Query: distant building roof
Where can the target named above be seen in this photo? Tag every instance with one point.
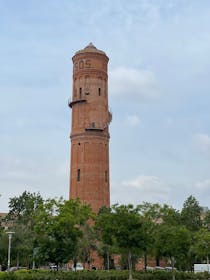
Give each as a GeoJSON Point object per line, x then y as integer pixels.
{"type": "Point", "coordinates": [3, 215]}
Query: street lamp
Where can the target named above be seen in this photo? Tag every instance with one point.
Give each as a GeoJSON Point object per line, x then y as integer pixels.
{"type": "Point", "coordinates": [10, 233]}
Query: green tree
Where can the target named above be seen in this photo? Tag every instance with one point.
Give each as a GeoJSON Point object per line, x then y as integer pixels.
{"type": "Point", "coordinates": [191, 214]}
{"type": "Point", "coordinates": [23, 208]}
{"type": "Point", "coordinates": [155, 214]}
{"type": "Point", "coordinates": [21, 217]}
{"type": "Point", "coordinates": [151, 215]}
{"type": "Point", "coordinates": [160, 214]}
{"type": "Point", "coordinates": [173, 242]}
{"type": "Point", "coordinates": [123, 226]}
{"type": "Point", "coordinates": [202, 244]}
{"type": "Point", "coordinates": [3, 248]}
{"type": "Point", "coordinates": [105, 242]}
{"type": "Point", "coordinates": [59, 225]}
{"type": "Point", "coordinates": [151, 211]}
{"type": "Point", "coordinates": [85, 245]}
{"type": "Point", "coordinates": [170, 216]}
{"type": "Point", "coordinates": [206, 220]}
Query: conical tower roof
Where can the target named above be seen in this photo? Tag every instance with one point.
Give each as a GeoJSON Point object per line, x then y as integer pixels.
{"type": "Point", "coordinates": [90, 48]}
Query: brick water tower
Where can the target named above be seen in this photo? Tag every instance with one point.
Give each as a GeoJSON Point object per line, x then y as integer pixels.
{"type": "Point", "coordinates": [89, 167]}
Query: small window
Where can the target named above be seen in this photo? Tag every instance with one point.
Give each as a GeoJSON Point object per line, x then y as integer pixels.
{"type": "Point", "coordinates": [80, 93]}
{"type": "Point", "coordinates": [93, 124]}
{"type": "Point", "coordinates": [106, 176]}
{"type": "Point", "coordinates": [99, 91]}
{"type": "Point", "coordinates": [78, 175]}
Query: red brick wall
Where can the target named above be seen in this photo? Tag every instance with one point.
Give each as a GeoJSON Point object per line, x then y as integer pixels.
{"type": "Point", "coordinates": [89, 132]}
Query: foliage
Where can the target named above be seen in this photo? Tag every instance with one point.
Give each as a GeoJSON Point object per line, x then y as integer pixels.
{"type": "Point", "coordinates": [3, 249]}
{"type": "Point", "coordinates": [122, 226]}
{"type": "Point", "coordinates": [99, 275]}
{"type": "Point", "coordinates": [59, 225]}
{"type": "Point", "coordinates": [191, 214]}
{"type": "Point", "coordinates": [206, 220]}
{"type": "Point", "coordinates": [170, 216]}
{"type": "Point", "coordinates": [86, 244]}
{"type": "Point", "coordinates": [202, 244]}
{"type": "Point", "coordinates": [56, 231]}
{"type": "Point", "coordinates": [21, 217]}
{"type": "Point", "coordinates": [173, 242]}
{"type": "Point", "coordinates": [155, 214]}
{"type": "Point", "coordinates": [105, 242]}
{"type": "Point", "coordinates": [23, 208]}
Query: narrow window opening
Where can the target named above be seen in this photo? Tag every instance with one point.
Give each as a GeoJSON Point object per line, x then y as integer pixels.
{"type": "Point", "coordinates": [99, 91]}
{"type": "Point", "coordinates": [93, 124]}
{"type": "Point", "coordinates": [80, 93]}
{"type": "Point", "coordinates": [78, 175]}
{"type": "Point", "coordinates": [106, 176]}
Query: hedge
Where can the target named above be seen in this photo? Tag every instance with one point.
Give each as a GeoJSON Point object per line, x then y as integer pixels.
{"type": "Point", "coordinates": [98, 275]}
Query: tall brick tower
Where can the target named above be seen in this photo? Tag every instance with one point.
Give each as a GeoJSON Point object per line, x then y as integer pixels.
{"type": "Point", "coordinates": [89, 169]}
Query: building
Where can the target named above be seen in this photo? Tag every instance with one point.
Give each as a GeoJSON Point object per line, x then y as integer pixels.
{"type": "Point", "coordinates": [89, 167]}
{"type": "Point", "coordinates": [4, 223]}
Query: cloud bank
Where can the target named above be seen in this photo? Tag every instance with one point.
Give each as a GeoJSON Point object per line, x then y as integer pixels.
{"type": "Point", "coordinates": [132, 83]}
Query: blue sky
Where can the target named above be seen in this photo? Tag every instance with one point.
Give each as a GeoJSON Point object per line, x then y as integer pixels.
{"type": "Point", "coordinates": [158, 92]}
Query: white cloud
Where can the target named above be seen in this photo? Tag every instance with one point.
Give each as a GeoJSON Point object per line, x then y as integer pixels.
{"type": "Point", "coordinates": [142, 188]}
{"type": "Point", "coordinates": [133, 120]}
{"type": "Point", "coordinates": [132, 83]}
{"type": "Point", "coordinates": [203, 185]}
{"type": "Point", "coordinates": [202, 141]}
{"type": "Point", "coordinates": [201, 190]}
{"type": "Point", "coordinates": [153, 189]}
{"type": "Point", "coordinates": [142, 182]}
{"type": "Point", "coordinates": [17, 175]}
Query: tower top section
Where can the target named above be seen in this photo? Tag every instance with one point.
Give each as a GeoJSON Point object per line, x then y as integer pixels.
{"type": "Point", "coordinates": [91, 49]}
{"type": "Point", "coordinates": [90, 61]}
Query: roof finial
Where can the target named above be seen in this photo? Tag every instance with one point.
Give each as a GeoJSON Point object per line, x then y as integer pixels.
{"type": "Point", "coordinates": [90, 46]}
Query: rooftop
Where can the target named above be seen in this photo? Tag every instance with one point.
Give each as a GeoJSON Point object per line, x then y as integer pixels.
{"type": "Point", "coordinates": [91, 49]}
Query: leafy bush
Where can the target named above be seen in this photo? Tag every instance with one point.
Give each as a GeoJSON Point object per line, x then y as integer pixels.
{"type": "Point", "coordinates": [98, 275]}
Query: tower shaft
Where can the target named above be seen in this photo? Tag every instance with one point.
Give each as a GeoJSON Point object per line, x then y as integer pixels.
{"type": "Point", "coordinates": [89, 167]}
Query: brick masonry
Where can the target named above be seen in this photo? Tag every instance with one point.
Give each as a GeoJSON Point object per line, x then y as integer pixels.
{"type": "Point", "coordinates": [89, 168]}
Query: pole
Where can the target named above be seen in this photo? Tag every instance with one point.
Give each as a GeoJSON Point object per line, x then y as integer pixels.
{"type": "Point", "coordinates": [10, 233]}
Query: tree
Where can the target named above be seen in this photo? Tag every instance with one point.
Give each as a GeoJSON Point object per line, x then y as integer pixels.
{"type": "Point", "coordinates": [151, 214]}
{"type": "Point", "coordinates": [170, 216]}
{"type": "Point", "coordinates": [105, 242]}
{"type": "Point", "coordinates": [21, 217]}
{"type": "Point", "coordinates": [160, 214]}
{"type": "Point", "coordinates": [86, 244]}
{"type": "Point", "coordinates": [172, 242]}
{"type": "Point", "coordinates": [23, 208]}
{"type": "Point", "coordinates": [122, 225]}
{"type": "Point", "coordinates": [202, 244]}
{"type": "Point", "coordinates": [59, 225]}
{"type": "Point", "coordinates": [206, 220]}
{"type": "Point", "coordinates": [3, 249]}
{"type": "Point", "coordinates": [155, 214]}
{"type": "Point", "coordinates": [191, 214]}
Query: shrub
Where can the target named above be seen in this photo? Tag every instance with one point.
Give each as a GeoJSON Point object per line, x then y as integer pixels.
{"type": "Point", "coordinates": [98, 275]}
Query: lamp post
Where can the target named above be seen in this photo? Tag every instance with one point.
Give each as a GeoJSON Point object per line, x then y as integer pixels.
{"type": "Point", "coordinates": [10, 233]}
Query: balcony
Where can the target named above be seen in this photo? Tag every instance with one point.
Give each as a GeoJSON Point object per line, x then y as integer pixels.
{"type": "Point", "coordinates": [72, 103]}
{"type": "Point", "coordinates": [92, 127]}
